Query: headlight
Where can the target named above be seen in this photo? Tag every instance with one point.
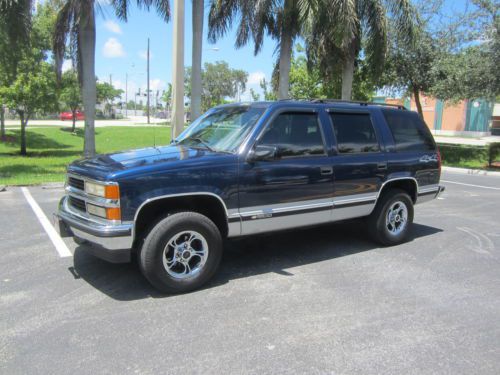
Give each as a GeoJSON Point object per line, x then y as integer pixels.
{"type": "Point", "coordinates": [104, 191]}
{"type": "Point", "coordinates": [110, 213]}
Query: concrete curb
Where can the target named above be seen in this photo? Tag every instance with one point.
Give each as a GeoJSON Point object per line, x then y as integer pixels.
{"type": "Point", "coordinates": [477, 172]}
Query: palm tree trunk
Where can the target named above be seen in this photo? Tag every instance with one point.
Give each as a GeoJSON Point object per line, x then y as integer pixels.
{"type": "Point", "coordinates": [2, 122]}
{"type": "Point", "coordinates": [23, 133]}
{"type": "Point", "coordinates": [196, 63]}
{"type": "Point", "coordinates": [348, 75]}
{"type": "Point", "coordinates": [285, 53]}
{"type": "Point", "coordinates": [87, 43]}
{"type": "Point", "coordinates": [416, 95]}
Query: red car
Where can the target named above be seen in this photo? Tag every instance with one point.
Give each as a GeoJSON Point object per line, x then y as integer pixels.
{"type": "Point", "coordinates": [80, 116]}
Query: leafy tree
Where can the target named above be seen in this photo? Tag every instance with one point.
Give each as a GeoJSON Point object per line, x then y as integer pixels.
{"type": "Point", "coordinates": [70, 95]}
{"type": "Point", "coordinates": [33, 90]}
{"type": "Point", "coordinates": [255, 96]}
{"type": "Point", "coordinates": [281, 19]}
{"type": "Point", "coordinates": [219, 82]}
{"type": "Point", "coordinates": [76, 22]}
{"type": "Point", "coordinates": [167, 95]}
{"type": "Point", "coordinates": [196, 76]}
{"type": "Point", "coordinates": [268, 92]}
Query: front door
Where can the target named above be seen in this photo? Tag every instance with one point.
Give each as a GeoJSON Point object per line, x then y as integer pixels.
{"type": "Point", "coordinates": [294, 188]}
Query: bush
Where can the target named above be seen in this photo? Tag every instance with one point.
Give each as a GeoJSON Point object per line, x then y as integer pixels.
{"type": "Point", "coordinates": [466, 156]}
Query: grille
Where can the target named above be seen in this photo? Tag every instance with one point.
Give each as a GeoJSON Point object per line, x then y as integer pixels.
{"type": "Point", "coordinates": [79, 204]}
{"type": "Point", "coordinates": [76, 183]}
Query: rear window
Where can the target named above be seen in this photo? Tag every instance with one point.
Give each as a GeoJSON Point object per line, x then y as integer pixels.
{"type": "Point", "coordinates": [409, 132]}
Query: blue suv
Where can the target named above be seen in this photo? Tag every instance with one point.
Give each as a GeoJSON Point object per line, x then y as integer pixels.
{"type": "Point", "coordinates": [243, 169]}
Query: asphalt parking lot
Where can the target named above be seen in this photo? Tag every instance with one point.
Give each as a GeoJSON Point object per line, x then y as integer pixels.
{"type": "Point", "coordinates": [315, 301]}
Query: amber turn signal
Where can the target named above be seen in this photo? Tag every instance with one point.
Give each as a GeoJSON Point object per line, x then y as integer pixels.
{"type": "Point", "coordinates": [112, 192]}
{"type": "Point", "coordinates": [113, 213]}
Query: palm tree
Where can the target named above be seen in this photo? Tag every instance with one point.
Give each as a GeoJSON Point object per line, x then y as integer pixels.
{"type": "Point", "coordinates": [76, 22]}
{"type": "Point", "coordinates": [281, 19]}
{"type": "Point", "coordinates": [339, 28]}
{"type": "Point", "coordinates": [196, 60]}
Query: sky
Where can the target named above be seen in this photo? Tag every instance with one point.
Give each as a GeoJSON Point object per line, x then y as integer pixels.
{"type": "Point", "coordinates": [121, 49]}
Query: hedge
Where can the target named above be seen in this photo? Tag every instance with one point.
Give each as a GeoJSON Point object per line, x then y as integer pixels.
{"type": "Point", "coordinates": [469, 156]}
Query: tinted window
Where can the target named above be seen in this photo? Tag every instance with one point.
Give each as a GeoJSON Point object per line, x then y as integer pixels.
{"type": "Point", "coordinates": [295, 134]}
{"type": "Point", "coordinates": [354, 133]}
{"type": "Point", "coordinates": [409, 131]}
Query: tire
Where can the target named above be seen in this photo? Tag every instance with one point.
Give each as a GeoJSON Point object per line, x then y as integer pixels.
{"type": "Point", "coordinates": [389, 233]}
{"type": "Point", "coordinates": [180, 242]}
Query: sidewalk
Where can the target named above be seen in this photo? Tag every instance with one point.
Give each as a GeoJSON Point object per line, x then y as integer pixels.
{"type": "Point", "coordinates": [483, 141]}
{"type": "Point", "coordinates": [130, 121]}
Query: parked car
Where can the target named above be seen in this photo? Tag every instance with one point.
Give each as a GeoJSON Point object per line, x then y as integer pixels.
{"type": "Point", "coordinates": [68, 116]}
{"type": "Point", "coordinates": [243, 169]}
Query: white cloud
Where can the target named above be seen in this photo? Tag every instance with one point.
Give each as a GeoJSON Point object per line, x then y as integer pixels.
{"type": "Point", "coordinates": [156, 84]}
{"type": "Point", "coordinates": [113, 27]}
{"type": "Point", "coordinates": [113, 48]}
{"type": "Point", "coordinates": [144, 55]}
{"type": "Point", "coordinates": [254, 78]}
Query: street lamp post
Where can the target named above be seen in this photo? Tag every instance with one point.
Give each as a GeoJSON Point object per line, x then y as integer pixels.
{"type": "Point", "coordinates": [178, 70]}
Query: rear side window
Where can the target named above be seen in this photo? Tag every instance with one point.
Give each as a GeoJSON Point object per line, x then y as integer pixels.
{"type": "Point", "coordinates": [354, 133]}
{"type": "Point", "coordinates": [409, 132]}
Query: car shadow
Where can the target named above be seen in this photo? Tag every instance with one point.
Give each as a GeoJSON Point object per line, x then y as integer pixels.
{"type": "Point", "coordinates": [245, 257]}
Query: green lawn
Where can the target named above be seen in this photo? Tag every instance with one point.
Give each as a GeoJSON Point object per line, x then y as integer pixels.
{"type": "Point", "coordinates": [50, 150]}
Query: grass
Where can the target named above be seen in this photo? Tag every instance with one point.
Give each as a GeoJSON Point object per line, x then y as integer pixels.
{"type": "Point", "coordinates": [51, 149]}
{"type": "Point", "coordinates": [465, 156]}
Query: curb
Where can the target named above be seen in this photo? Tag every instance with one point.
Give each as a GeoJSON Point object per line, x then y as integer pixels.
{"type": "Point", "coordinates": [477, 172]}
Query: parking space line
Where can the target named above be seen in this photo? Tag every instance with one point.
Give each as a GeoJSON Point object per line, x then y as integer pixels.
{"type": "Point", "coordinates": [478, 186]}
{"type": "Point", "coordinates": [56, 239]}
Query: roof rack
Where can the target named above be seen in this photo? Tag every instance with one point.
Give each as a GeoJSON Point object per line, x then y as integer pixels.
{"type": "Point", "coordinates": [398, 106]}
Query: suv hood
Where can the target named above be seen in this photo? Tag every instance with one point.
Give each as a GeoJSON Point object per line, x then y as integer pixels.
{"type": "Point", "coordinates": [102, 166]}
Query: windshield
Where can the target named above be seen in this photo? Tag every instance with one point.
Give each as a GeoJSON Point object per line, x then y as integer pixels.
{"type": "Point", "coordinates": [221, 129]}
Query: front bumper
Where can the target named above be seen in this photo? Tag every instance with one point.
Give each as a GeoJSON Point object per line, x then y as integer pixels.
{"type": "Point", "coordinates": [111, 242]}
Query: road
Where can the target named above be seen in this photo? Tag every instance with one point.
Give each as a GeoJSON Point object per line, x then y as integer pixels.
{"type": "Point", "coordinates": [317, 301]}
{"type": "Point", "coordinates": [130, 121]}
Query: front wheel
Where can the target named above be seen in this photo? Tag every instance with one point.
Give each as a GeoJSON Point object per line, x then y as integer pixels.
{"type": "Point", "coordinates": [181, 252]}
{"type": "Point", "coordinates": [390, 221]}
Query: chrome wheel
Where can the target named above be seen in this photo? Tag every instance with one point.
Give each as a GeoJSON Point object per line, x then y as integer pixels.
{"type": "Point", "coordinates": [397, 218]}
{"type": "Point", "coordinates": [185, 254]}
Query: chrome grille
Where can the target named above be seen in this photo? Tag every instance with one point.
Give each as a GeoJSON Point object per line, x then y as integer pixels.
{"type": "Point", "coordinates": [79, 204]}
{"type": "Point", "coordinates": [76, 183]}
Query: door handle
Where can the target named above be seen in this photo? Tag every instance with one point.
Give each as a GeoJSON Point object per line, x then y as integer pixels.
{"type": "Point", "coordinates": [382, 166]}
{"type": "Point", "coordinates": [326, 171]}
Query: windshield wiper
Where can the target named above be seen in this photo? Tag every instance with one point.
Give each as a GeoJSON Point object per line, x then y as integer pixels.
{"type": "Point", "coordinates": [202, 142]}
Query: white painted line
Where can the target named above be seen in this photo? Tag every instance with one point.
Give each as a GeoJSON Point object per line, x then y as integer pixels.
{"type": "Point", "coordinates": [56, 239]}
{"type": "Point", "coordinates": [464, 184]}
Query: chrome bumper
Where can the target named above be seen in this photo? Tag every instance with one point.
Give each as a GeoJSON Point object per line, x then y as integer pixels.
{"type": "Point", "coordinates": [111, 242]}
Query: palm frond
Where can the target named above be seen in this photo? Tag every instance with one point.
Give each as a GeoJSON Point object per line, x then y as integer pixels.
{"type": "Point", "coordinates": [374, 33]}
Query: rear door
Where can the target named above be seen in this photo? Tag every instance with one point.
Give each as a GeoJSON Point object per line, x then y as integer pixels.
{"type": "Point", "coordinates": [360, 164]}
{"type": "Point", "coordinates": [294, 189]}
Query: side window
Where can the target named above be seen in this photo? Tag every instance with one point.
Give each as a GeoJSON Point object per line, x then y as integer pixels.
{"type": "Point", "coordinates": [409, 131]}
{"type": "Point", "coordinates": [354, 133]}
{"type": "Point", "coordinates": [295, 134]}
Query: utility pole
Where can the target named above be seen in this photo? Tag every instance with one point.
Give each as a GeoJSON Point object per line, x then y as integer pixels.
{"type": "Point", "coordinates": [178, 70]}
{"type": "Point", "coordinates": [148, 84]}
{"type": "Point", "coordinates": [126, 95]}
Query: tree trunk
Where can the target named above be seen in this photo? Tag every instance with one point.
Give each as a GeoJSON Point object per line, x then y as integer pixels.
{"type": "Point", "coordinates": [348, 74]}
{"type": "Point", "coordinates": [87, 54]}
{"type": "Point", "coordinates": [74, 120]}
{"type": "Point", "coordinates": [2, 122]}
{"type": "Point", "coordinates": [285, 54]}
{"type": "Point", "coordinates": [178, 70]}
{"type": "Point", "coordinates": [416, 94]}
{"type": "Point", "coordinates": [23, 133]}
{"type": "Point", "coordinates": [196, 80]}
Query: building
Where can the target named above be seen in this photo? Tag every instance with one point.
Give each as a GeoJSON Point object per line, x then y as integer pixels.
{"type": "Point", "coordinates": [466, 118]}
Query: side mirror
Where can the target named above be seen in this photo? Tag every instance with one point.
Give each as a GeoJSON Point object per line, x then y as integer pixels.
{"type": "Point", "coordinates": [263, 153]}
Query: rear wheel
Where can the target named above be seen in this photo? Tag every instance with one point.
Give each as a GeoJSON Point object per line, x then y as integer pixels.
{"type": "Point", "coordinates": [181, 252]}
{"type": "Point", "coordinates": [390, 221]}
